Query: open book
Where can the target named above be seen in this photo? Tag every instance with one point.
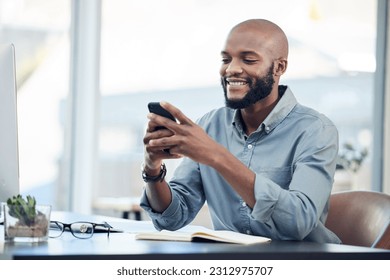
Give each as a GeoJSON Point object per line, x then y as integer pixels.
{"type": "Point", "coordinates": [202, 233]}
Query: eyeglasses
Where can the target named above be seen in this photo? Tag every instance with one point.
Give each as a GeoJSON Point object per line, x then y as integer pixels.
{"type": "Point", "coordinates": [82, 230]}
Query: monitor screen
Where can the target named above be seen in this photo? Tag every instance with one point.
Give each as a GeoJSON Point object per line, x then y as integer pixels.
{"type": "Point", "coordinates": [9, 158]}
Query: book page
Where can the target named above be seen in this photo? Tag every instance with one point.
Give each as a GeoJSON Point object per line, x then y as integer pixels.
{"type": "Point", "coordinates": [231, 237]}
{"type": "Point", "coordinates": [165, 235]}
{"type": "Point", "coordinates": [189, 233]}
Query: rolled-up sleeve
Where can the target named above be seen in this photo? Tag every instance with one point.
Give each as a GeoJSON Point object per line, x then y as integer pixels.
{"type": "Point", "coordinates": [187, 198]}
{"type": "Point", "coordinates": [294, 211]}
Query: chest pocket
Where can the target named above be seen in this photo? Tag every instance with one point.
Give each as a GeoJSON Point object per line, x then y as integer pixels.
{"type": "Point", "coordinates": [279, 175]}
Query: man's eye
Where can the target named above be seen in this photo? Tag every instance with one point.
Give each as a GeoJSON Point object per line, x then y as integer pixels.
{"type": "Point", "coordinates": [225, 60]}
{"type": "Point", "coordinates": [250, 61]}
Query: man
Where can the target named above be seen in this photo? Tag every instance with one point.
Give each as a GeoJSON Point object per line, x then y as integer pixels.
{"type": "Point", "coordinates": [264, 163]}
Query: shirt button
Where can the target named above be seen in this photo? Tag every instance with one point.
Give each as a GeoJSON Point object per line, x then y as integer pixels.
{"type": "Point", "coordinates": [248, 232]}
{"type": "Point", "coordinates": [250, 146]}
{"type": "Point", "coordinates": [244, 204]}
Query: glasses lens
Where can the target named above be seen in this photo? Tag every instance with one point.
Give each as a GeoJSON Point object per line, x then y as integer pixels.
{"type": "Point", "coordinates": [82, 230]}
{"type": "Point", "coordinates": [56, 229]}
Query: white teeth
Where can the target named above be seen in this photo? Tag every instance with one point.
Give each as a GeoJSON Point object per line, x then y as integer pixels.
{"type": "Point", "coordinates": [237, 83]}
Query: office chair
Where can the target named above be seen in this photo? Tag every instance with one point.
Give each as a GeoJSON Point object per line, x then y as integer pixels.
{"type": "Point", "coordinates": [360, 218]}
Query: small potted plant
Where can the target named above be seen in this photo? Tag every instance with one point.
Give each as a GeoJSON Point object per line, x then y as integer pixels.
{"type": "Point", "coordinates": [24, 220]}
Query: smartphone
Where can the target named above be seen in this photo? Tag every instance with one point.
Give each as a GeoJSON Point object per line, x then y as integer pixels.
{"type": "Point", "coordinates": [155, 107]}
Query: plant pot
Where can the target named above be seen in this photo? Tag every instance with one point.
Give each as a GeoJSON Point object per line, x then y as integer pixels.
{"type": "Point", "coordinates": [37, 230]}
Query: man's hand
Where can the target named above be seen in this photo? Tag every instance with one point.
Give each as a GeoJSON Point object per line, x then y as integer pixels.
{"type": "Point", "coordinates": [155, 154]}
{"type": "Point", "coordinates": [185, 138]}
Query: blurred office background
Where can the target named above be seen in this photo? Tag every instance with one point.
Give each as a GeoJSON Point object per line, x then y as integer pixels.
{"type": "Point", "coordinates": [86, 70]}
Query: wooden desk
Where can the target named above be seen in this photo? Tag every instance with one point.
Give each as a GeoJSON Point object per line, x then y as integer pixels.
{"type": "Point", "coordinates": [125, 246]}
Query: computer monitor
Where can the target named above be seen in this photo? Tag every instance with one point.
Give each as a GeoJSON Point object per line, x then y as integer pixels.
{"type": "Point", "coordinates": [9, 156]}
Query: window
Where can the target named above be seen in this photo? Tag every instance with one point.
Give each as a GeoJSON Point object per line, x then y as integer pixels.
{"type": "Point", "coordinates": [40, 32]}
{"type": "Point", "coordinates": [169, 50]}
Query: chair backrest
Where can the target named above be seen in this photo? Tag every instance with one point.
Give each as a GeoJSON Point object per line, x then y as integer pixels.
{"type": "Point", "coordinates": [360, 218]}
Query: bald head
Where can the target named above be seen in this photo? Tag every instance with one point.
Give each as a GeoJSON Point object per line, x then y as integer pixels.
{"type": "Point", "coordinates": [271, 35]}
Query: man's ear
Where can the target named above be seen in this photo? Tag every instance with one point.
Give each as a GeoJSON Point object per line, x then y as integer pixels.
{"type": "Point", "coordinates": [280, 66]}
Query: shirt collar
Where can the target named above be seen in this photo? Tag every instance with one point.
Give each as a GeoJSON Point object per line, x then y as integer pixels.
{"type": "Point", "coordinates": [286, 103]}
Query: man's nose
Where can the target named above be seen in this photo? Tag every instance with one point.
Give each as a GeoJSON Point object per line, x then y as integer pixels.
{"type": "Point", "coordinates": [233, 68]}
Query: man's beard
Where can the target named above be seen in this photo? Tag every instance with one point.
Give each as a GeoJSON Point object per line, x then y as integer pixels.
{"type": "Point", "coordinates": [260, 90]}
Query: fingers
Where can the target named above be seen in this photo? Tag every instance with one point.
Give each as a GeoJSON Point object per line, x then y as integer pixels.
{"type": "Point", "coordinates": [183, 119]}
{"type": "Point", "coordinates": [156, 153]}
{"type": "Point", "coordinates": [157, 130]}
{"type": "Point", "coordinates": [158, 138]}
{"type": "Point", "coordinates": [155, 143]}
{"type": "Point", "coordinates": [157, 122]}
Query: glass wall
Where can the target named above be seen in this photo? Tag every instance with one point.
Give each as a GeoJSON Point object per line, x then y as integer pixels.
{"type": "Point", "coordinates": [169, 50]}
{"type": "Point", "coordinates": [39, 30]}
{"type": "Point", "coordinates": [154, 50]}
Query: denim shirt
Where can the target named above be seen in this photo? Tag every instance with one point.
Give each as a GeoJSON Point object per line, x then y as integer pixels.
{"type": "Point", "coordinates": [293, 154]}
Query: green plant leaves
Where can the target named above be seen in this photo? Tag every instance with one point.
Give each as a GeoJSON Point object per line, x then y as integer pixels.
{"type": "Point", "coordinates": [23, 209]}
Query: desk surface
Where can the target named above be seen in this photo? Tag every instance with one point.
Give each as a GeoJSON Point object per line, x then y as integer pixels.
{"type": "Point", "coordinates": [125, 246]}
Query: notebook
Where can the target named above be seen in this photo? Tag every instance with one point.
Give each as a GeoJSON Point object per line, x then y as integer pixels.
{"type": "Point", "coordinates": [198, 233]}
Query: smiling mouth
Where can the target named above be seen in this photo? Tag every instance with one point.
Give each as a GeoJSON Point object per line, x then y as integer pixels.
{"type": "Point", "coordinates": [235, 82]}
